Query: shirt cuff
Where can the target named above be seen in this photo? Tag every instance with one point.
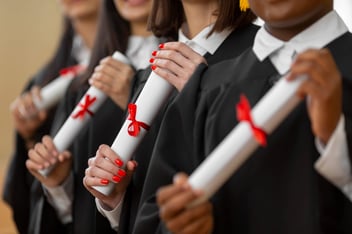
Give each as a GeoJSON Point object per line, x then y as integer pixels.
{"type": "Point", "coordinates": [112, 215]}
{"type": "Point", "coordinates": [60, 198]}
{"type": "Point", "coordinates": [334, 163]}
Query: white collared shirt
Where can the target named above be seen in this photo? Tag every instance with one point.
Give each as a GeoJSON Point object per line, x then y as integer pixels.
{"type": "Point", "coordinates": [334, 163]}
{"type": "Point", "coordinates": [140, 49]}
{"type": "Point", "coordinates": [202, 45]}
{"type": "Point", "coordinates": [80, 51]}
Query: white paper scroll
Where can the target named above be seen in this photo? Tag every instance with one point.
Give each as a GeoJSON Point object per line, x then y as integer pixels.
{"type": "Point", "coordinates": [55, 90]}
{"type": "Point", "coordinates": [80, 116]}
{"type": "Point", "coordinates": [240, 143]}
{"type": "Point", "coordinates": [152, 98]}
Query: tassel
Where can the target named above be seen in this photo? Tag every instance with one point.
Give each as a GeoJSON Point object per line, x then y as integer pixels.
{"type": "Point", "coordinates": [244, 5]}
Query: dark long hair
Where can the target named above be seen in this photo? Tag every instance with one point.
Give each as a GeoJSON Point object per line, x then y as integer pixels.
{"type": "Point", "coordinates": [61, 57]}
{"type": "Point", "coordinates": [167, 17]}
{"type": "Point", "coordinates": [113, 33]}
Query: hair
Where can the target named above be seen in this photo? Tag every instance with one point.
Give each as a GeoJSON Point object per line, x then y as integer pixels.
{"type": "Point", "coordinates": [61, 56]}
{"type": "Point", "coordinates": [167, 16]}
{"type": "Point", "coordinates": [112, 35]}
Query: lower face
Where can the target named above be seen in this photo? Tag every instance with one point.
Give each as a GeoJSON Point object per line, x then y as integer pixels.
{"type": "Point", "coordinates": [134, 10]}
{"type": "Point", "coordinates": [80, 9]}
{"type": "Point", "coordinates": [290, 14]}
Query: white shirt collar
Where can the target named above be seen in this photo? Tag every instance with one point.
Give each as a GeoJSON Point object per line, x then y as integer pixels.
{"type": "Point", "coordinates": [265, 45]}
{"type": "Point", "coordinates": [80, 51]}
{"type": "Point", "coordinates": [139, 50]}
{"type": "Point", "coordinates": [201, 43]}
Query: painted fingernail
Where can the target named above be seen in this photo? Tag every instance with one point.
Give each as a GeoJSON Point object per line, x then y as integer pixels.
{"type": "Point", "coordinates": [104, 181]}
{"type": "Point", "coordinates": [151, 60]}
{"type": "Point", "coordinates": [116, 178]}
{"type": "Point", "coordinates": [121, 173]}
{"type": "Point", "coordinates": [161, 45]}
{"type": "Point", "coordinates": [154, 53]}
{"type": "Point", "coordinates": [153, 67]}
{"type": "Point", "coordinates": [119, 162]}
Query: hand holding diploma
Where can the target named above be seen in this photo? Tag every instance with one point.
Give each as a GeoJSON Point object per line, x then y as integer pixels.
{"type": "Point", "coordinates": [314, 75]}
{"type": "Point", "coordinates": [141, 115]}
{"type": "Point", "coordinates": [80, 116]}
{"type": "Point", "coordinates": [55, 90]}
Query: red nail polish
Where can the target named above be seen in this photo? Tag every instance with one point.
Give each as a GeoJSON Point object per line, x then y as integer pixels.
{"type": "Point", "coordinates": [116, 178]}
{"type": "Point", "coordinates": [161, 45]}
{"type": "Point", "coordinates": [104, 181]}
{"type": "Point", "coordinates": [153, 67]}
{"type": "Point", "coordinates": [119, 162]}
{"type": "Point", "coordinates": [151, 60]}
{"type": "Point", "coordinates": [154, 53]}
{"type": "Point", "coordinates": [121, 173]}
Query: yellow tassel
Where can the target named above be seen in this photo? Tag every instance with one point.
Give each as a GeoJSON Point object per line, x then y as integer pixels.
{"type": "Point", "coordinates": [244, 5]}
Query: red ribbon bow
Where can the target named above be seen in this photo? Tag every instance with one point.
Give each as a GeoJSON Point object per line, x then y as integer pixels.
{"type": "Point", "coordinates": [244, 114]}
{"type": "Point", "coordinates": [74, 70]}
{"type": "Point", "coordinates": [88, 101]}
{"type": "Point", "coordinates": [135, 126]}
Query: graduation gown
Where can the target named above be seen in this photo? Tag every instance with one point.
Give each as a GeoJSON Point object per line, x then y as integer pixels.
{"type": "Point", "coordinates": [86, 218]}
{"type": "Point", "coordinates": [19, 182]}
{"type": "Point", "coordinates": [277, 190]}
{"type": "Point", "coordinates": [174, 133]}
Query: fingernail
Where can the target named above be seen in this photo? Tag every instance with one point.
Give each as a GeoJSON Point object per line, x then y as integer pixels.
{"type": "Point", "coordinates": [153, 67]}
{"type": "Point", "coordinates": [161, 45]}
{"type": "Point", "coordinates": [154, 53]}
{"type": "Point", "coordinates": [116, 178]}
{"type": "Point", "coordinates": [135, 163]}
{"type": "Point", "coordinates": [151, 60]}
{"type": "Point", "coordinates": [119, 162]}
{"type": "Point", "coordinates": [121, 173]}
{"type": "Point", "coordinates": [104, 181]}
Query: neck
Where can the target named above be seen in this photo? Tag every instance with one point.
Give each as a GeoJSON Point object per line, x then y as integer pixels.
{"type": "Point", "coordinates": [203, 12]}
{"type": "Point", "coordinates": [86, 28]}
{"type": "Point", "coordinates": [140, 29]}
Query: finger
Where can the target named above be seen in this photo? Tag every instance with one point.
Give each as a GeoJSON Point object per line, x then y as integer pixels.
{"type": "Point", "coordinates": [49, 144]}
{"type": "Point", "coordinates": [176, 204]}
{"type": "Point", "coordinates": [107, 152]}
{"type": "Point", "coordinates": [191, 217]}
{"type": "Point", "coordinates": [39, 155]}
{"type": "Point", "coordinates": [185, 50]}
{"type": "Point", "coordinates": [113, 63]}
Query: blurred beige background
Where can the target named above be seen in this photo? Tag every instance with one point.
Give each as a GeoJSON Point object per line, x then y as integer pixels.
{"type": "Point", "coordinates": [29, 32]}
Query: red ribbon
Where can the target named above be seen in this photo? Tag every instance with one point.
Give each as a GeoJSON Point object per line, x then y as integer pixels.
{"type": "Point", "coordinates": [74, 70]}
{"type": "Point", "coordinates": [135, 126]}
{"type": "Point", "coordinates": [85, 107]}
{"type": "Point", "coordinates": [244, 114]}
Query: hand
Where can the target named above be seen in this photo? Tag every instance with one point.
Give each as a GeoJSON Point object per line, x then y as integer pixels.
{"type": "Point", "coordinates": [105, 168]}
{"type": "Point", "coordinates": [179, 217]}
{"type": "Point", "coordinates": [26, 116]}
{"type": "Point", "coordinates": [175, 62]}
{"type": "Point", "coordinates": [113, 78]}
{"type": "Point", "coordinates": [44, 155]}
{"type": "Point", "coordinates": [323, 89]}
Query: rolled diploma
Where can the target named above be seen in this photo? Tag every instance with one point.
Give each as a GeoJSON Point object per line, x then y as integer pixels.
{"type": "Point", "coordinates": [149, 102]}
{"type": "Point", "coordinates": [239, 144]}
{"type": "Point", "coordinates": [72, 126]}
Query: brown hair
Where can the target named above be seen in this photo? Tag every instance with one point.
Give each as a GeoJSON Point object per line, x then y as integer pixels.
{"type": "Point", "coordinates": [167, 17]}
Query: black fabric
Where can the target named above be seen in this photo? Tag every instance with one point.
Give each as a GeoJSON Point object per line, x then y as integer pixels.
{"type": "Point", "coordinates": [18, 180]}
{"type": "Point", "coordinates": [277, 190]}
{"type": "Point", "coordinates": [174, 129]}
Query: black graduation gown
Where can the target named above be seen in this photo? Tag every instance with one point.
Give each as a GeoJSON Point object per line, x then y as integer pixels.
{"type": "Point", "coordinates": [277, 190]}
{"type": "Point", "coordinates": [173, 130]}
{"type": "Point", "coordinates": [19, 182]}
